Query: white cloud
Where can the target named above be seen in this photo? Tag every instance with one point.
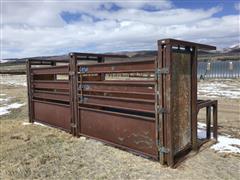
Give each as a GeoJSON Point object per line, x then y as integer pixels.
{"type": "Point", "coordinates": [237, 6]}
{"type": "Point", "coordinates": [32, 29]}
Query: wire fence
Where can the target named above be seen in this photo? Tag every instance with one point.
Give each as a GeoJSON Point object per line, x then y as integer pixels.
{"type": "Point", "coordinates": [218, 69]}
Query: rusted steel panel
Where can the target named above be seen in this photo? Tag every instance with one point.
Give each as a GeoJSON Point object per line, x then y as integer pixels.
{"type": "Point", "coordinates": [59, 97]}
{"type": "Point", "coordinates": [118, 67]}
{"type": "Point", "coordinates": [123, 82]}
{"type": "Point", "coordinates": [95, 55]}
{"type": "Point", "coordinates": [50, 70]}
{"type": "Point", "coordinates": [132, 133]}
{"type": "Point", "coordinates": [51, 85]}
{"type": "Point", "coordinates": [181, 100]}
{"type": "Point", "coordinates": [175, 42]}
{"type": "Point", "coordinates": [137, 95]}
{"type": "Point", "coordinates": [119, 86]}
{"type": "Point", "coordinates": [52, 114]}
{"type": "Point", "coordinates": [121, 103]}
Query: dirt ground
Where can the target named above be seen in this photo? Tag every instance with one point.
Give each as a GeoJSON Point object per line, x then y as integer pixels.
{"type": "Point", "coordinates": [38, 152]}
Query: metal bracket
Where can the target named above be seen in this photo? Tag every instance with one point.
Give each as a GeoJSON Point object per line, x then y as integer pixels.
{"type": "Point", "coordinates": [83, 69]}
{"type": "Point", "coordinates": [163, 150]}
{"type": "Point", "coordinates": [162, 71]}
{"type": "Point", "coordinates": [161, 110]}
{"type": "Point", "coordinates": [71, 73]}
{"type": "Point", "coordinates": [83, 99]}
{"type": "Point", "coordinates": [83, 86]}
{"type": "Point", "coordinates": [73, 125]}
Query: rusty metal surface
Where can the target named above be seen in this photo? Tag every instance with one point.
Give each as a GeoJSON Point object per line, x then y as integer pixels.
{"type": "Point", "coordinates": [127, 103]}
{"type": "Point", "coordinates": [42, 84]}
{"type": "Point", "coordinates": [120, 94]}
{"type": "Point", "coordinates": [51, 96]}
{"type": "Point", "coordinates": [53, 114]}
{"type": "Point", "coordinates": [119, 67]}
{"type": "Point", "coordinates": [140, 87]}
{"type": "Point", "coordinates": [128, 132]}
{"type": "Point", "coordinates": [181, 100]}
{"type": "Point", "coordinates": [50, 70]}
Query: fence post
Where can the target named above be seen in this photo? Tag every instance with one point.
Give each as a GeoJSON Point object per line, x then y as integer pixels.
{"type": "Point", "coordinates": [159, 103]}
{"type": "Point", "coordinates": [167, 104]}
{"type": "Point", "coordinates": [73, 77]}
{"type": "Point", "coordinates": [29, 79]}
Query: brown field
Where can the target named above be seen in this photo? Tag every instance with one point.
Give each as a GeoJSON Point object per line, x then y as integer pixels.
{"type": "Point", "coordinates": [38, 152]}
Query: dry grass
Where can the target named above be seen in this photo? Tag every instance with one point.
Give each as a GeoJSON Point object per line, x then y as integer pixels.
{"type": "Point", "coordinates": [37, 152]}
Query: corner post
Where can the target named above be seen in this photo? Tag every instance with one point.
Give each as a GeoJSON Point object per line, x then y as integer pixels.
{"type": "Point", "coordinates": [73, 91]}
{"type": "Point", "coordinates": [29, 88]}
{"type": "Point", "coordinates": [168, 105]}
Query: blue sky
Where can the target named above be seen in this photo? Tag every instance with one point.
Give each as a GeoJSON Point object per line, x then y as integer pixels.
{"type": "Point", "coordinates": [36, 28]}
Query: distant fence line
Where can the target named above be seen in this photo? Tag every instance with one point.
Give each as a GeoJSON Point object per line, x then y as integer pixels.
{"type": "Point", "coordinates": [218, 69]}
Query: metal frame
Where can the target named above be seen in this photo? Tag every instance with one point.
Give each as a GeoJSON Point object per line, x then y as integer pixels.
{"type": "Point", "coordinates": [135, 115]}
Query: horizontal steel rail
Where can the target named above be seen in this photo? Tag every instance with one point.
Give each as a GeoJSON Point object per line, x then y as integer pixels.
{"type": "Point", "coordinates": [118, 113]}
{"type": "Point", "coordinates": [50, 70]}
{"type": "Point", "coordinates": [43, 84]}
{"type": "Point", "coordinates": [121, 94]}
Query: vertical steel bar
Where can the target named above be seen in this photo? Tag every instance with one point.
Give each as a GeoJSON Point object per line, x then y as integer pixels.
{"type": "Point", "coordinates": [215, 120]}
{"type": "Point", "coordinates": [160, 102]}
{"type": "Point", "coordinates": [194, 98]}
{"type": "Point", "coordinates": [208, 123]}
{"type": "Point", "coordinates": [29, 86]}
{"type": "Point", "coordinates": [75, 122]}
{"type": "Point", "coordinates": [102, 75]}
{"type": "Point", "coordinates": [167, 105]}
{"type": "Point", "coordinates": [157, 106]}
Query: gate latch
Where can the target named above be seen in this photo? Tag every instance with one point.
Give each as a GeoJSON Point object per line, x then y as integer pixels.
{"type": "Point", "coordinates": [162, 71]}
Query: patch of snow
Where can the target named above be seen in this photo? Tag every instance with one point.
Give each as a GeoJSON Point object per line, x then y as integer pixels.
{"type": "Point", "coordinates": [4, 99]}
{"type": "Point", "coordinates": [6, 109]}
{"type": "Point", "coordinates": [40, 124]}
{"type": "Point", "coordinates": [26, 123]}
{"type": "Point", "coordinates": [225, 144]}
{"type": "Point", "coordinates": [2, 94]}
{"type": "Point", "coordinates": [14, 80]}
{"type": "Point", "coordinates": [35, 123]}
{"type": "Point", "coordinates": [3, 61]}
{"type": "Point", "coordinates": [219, 88]}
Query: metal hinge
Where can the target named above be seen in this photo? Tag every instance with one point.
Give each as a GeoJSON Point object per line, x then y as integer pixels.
{"type": "Point", "coordinates": [83, 69]}
{"type": "Point", "coordinates": [161, 110]}
{"type": "Point", "coordinates": [163, 150]}
{"type": "Point", "coordinates": [162, 71]}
